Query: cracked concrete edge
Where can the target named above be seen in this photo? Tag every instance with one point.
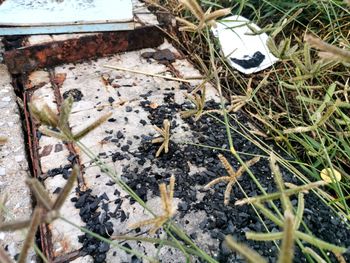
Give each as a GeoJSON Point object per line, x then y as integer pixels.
{"type": "Point", "coordinates": [13, 167]}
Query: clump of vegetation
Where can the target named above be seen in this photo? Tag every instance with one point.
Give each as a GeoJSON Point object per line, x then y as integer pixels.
{"type": "Point", "coordinates": [164, 139]}
{"type": "Point", "coordinates": [51, 120]}
{"type": "Point", "coordinates": [232, 177]}
{"type": "Point", "coordinates": [289, 223]}
{"type": "Point", "coordinates": [198, 99]}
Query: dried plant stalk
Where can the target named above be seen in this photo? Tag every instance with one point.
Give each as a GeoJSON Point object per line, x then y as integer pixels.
{"type": "Point", "coordinates": [328, 51]}
{"type": "Point", "coordinates": [286, 204]}
{"type": "Point", "coordinates": [66, 189]}
{"type": "Point", "coordinates": [249, 254]}
{"type": "Point", "coordinates": [275, 196]}
{"type": "Point", "coordinates": [40, 193]}
{"type": "Point", "coordinates": [28, 242]}
{"type": "Point", "coordinates": [194, 7]}
{"type": "Point", "coordinates": [233, 175]}
{"type": "Point", "coordinates": [286, 254]}
{"type": "Point", "coordinates": [4, 258]}
{"type": "Point", "coordinates": [65, 111]}
{"type": "Point", "coordinates": [13, 226]}
{"type": "Point", "coordinates": [92, 126]}
{"type": "Point", "coordinates": [315, 256]}
{"type": "Point", "coordinates": [164, 139]}
{"type": "Point", "coordinates": [168, 209]}
{"type": "Point", "coordinates": [227, 165]}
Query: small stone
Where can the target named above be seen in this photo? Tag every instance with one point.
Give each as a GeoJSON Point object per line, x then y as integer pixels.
{"type": "Point", "coordinates": [128, 109]}
{"type": "Point", "coordinates": [120, 135]}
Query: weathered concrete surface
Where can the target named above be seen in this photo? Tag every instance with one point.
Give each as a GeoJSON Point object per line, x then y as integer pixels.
{"type": "Point", "coordinates": [99, 90]}
{"type": "Point", "coordinates": [13, 166]}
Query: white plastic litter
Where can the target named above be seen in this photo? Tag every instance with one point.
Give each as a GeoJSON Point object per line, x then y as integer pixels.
{"type": "Point", "coordinates": [52, 12]}
{"type": "Point", "coordinates": [246, 53]}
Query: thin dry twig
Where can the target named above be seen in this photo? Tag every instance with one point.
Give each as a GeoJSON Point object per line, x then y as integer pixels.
{"type": "Point", "coordinates": [146, 73]}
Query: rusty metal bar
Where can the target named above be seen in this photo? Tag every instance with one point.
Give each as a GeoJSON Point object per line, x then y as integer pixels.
{"type": "Point", "coordinates": [27, 59]}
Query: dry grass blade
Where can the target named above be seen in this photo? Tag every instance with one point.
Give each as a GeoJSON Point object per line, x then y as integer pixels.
{"type": "Point", "coordinates": [286, 254]}
{"type": "Point", "coordinates": [286, 204]}
{"type": "Point", "coordinates": [339, 257]}
{"type": "Point", "coordinates": [249, 254]}
{"type": "Point", "coordinates": [168, 208]}
{"type": "Point", "coordinates": [328, 51]}
{"type": "Point", "coordinates": [92, 126]}
{"type": "Point", "coordinates": [315, 256]}
{"type": "Point", "coordinates": [13, 226]}
{"type": "Point", "coordinates": [4, 258]}
{"type": "Point", "coordinates": [65, 111]}
{"type": "Point", "coordinates": [44, 116]}
{"type": "Point", "coordinates": [54, 134]}
{"type": "Point", "coordinates": [216, 14]}
{"type": "Point", "coordinates": [28, 242]}
{"type": "Point", "coordinates": [40, 193]}
{"type": "Point", "coordinates": [274, 196]}
{"type": "Point", "coordinates": [66, 189]}
{"type": "Point", "coordinates": [194, 7]}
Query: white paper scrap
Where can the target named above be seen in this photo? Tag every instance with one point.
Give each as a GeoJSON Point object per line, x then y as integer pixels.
{"type": "Point", "coordinates": [244, 52]}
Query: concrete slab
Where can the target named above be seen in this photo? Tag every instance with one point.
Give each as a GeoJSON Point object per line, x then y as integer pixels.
{"type": "Point", "coordinates": [13, 166]}
{"type": "Point", "coordinates": [130, 97]}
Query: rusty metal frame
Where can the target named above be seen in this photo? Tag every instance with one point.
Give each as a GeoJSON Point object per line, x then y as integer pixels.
{"type": "Point", "coordinates": [26, 59]}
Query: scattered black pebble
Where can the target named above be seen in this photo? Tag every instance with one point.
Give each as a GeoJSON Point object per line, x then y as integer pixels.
{"type": "Point", "coordinates": [57, 190]}
{"type": "Point", "coordinates": [96, 222]}
{"type": "Point", "coordinates": [110, 100]}
{"type": "Point", "coordinates": [222, 220]}
{"type": "Point", "coordinates": [75, 93]}
{"type": "Point", "coordinates": [128, 109]}
{"type": "Point", "coordinates": [120, 135]}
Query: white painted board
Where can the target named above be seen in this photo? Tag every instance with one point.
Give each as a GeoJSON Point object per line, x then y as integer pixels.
{"type": "Point", "coordinates": [59, 12]}
{"type": "Point", "coordinates": [244, 52]}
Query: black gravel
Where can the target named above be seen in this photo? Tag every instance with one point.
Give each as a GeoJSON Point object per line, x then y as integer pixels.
{"type": "Point", "coordinates": [96, 220]}
{"type": "Point", "coordinates": [223, 220]}
{"type": "Point", "coordinates": [220, 220]}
